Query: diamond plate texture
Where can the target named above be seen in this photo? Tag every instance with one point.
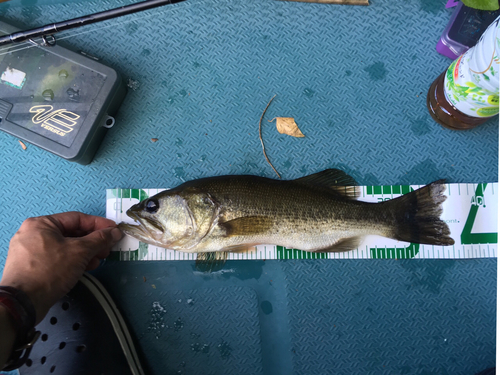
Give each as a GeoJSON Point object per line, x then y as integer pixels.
{"type": "Point", "coordinates": [311, 316]}
{"type": "Point", "coordinates": [209, 331]}
{"type": "Point", "coordinates": [355, 80]}
{"type": "Point", "coordinates": [418, 318]}
{"type": "Point", "coordinates": [233, 321]}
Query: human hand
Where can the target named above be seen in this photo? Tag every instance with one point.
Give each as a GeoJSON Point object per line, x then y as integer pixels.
{"type": "Point", "coordinates": [48, 255]}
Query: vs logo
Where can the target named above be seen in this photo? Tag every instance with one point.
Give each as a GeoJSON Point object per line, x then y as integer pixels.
{"type": "Point", "coordinates": [59, 121]}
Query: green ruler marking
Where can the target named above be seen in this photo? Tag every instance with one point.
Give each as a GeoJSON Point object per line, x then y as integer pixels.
{"type": "Point", "coordinates": [139, 194]}
{"type": "Point", "coordinates": [388, 190]}
{"type": "Point", "coordinates": [285, 253]}
{"type": "Point", "coordinates": [395, 253]}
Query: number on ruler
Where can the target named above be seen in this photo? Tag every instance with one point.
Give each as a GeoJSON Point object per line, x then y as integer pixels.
{"type": "Point", "coordinates": [469, 238]}
{"type": "Point", "coordinates": [477, 201]}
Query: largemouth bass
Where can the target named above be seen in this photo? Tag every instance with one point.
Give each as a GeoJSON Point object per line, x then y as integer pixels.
{"type": "Point", "coordinates": [318, 213]}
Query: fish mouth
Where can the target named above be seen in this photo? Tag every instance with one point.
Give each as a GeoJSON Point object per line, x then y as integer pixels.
{"type": "Point", "coordinates": [146, 230]}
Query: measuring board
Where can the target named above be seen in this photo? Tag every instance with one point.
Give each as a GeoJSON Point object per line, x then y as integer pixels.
{"type": "Point", "coordinates": [470, 211]}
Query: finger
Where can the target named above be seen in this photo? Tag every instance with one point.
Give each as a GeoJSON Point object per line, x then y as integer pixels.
{"type": "Point", "coordinates": [93, 264]}
{"type": "Point", "coordinates": [98, 243]}
{"type": "Point", "coordinates": [75, 223]}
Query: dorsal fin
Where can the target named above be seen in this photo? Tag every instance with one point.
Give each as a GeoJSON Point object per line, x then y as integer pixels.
{"type": "Point", "coordinates": [335, 180]}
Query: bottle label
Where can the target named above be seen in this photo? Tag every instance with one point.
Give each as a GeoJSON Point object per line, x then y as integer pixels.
{"type": "Point", "coordinates": [471, 82]}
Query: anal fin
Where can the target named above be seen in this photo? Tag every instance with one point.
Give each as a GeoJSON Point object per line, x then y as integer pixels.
{"type": "Point", "coordinates": [210, 261]}
{"type": "Point", "coordinates": [345, 244]}
{"type": "Point", "coordinates": [239, 248]}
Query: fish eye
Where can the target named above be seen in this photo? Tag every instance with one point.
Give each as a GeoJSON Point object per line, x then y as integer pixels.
{"type": "Point", "coordinates": [152, 205]}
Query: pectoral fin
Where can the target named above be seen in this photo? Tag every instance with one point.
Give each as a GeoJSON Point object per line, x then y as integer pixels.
{"type": "Point", "coordinates": [345, 244]}
{"type": "Point", "coordinates": [249, 225]}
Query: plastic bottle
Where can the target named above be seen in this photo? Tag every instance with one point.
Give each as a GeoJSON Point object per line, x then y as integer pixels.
{"type": "Point", "coordinates": [466, 94]}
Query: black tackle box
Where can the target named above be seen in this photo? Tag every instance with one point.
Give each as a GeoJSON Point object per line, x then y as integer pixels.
{"type": "Point", "coordinates": [55, 98]}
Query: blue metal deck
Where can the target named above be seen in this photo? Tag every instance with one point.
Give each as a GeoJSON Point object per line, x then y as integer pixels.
{"type": "Point", "coordinates": [355, 79]}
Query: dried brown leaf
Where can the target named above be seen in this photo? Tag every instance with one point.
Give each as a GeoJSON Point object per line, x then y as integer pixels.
{"type": "Point", "coordinates": [22, 145]}
{"type": "Point", "coordinates": [154, 140]}
{"type": "Point", "coordinates": [287, 125]}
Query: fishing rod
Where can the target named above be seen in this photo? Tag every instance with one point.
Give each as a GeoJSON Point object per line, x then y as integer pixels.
{"type": "Point", "coordinates": [50, 29]}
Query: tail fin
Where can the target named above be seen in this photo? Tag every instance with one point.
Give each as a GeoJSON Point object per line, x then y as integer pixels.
{"type": "Point", "coordinates": [418, 214]}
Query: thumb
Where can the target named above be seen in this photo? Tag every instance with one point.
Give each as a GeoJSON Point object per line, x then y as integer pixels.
{"type": "Point", "coordinates": [99, 243]}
